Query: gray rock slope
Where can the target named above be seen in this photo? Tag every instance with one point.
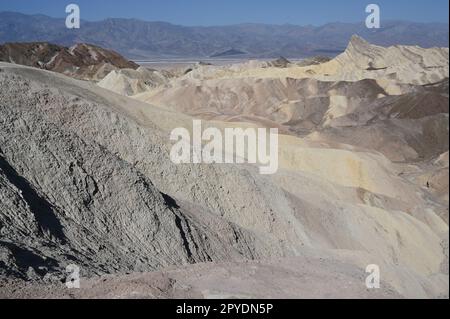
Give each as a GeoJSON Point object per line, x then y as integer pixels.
{"type": "Point", "coordinates": [67, 199]}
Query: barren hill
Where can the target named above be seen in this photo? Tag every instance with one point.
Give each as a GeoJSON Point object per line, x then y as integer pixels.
{"type": "Point", "coordinates": [82, 61]}
{"type": "Point", "coordinates": [395, 99]}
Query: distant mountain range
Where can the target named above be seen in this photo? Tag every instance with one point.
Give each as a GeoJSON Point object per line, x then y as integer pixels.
{"type": "Point", "coordinates": [138, 39]}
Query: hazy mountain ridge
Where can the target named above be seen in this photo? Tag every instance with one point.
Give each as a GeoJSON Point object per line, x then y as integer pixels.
{"type": "Point", "coordinates": [141, 39]}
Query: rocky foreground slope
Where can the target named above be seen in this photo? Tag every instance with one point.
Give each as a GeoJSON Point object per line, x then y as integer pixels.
{"type": "Point", "coordinates": [86, 179]}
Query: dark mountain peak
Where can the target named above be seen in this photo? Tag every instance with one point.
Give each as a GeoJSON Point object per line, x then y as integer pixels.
{"type": "Point", "coordinates": [230, 52]}
{"type": "Point", "coordinates": [281, 62]}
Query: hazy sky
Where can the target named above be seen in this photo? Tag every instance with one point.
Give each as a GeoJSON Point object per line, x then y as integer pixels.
{"type": "Point", "coordinates": [214, 12]}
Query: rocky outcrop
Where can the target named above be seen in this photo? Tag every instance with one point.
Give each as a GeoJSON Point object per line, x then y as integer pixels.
{"type": "Point", "coordinates": [81, 61]}
{"type": "Point", "coordinates": [281, 62]}
{"type": "Point", "coordinates": [361, 60]}
{"type": "Point", "coordinates": [130, 82]}
{"type": "Point", "coordinates": [406, 64]}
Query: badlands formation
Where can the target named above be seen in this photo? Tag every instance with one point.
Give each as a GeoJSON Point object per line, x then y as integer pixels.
{"type": "Point", "coordinates": [81, 61]}
{"type": "Point", "coordinates": [86, 179]}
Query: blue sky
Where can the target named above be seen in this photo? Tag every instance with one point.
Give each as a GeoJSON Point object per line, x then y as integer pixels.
{"type": "Point", "coordinates": [214, 12]}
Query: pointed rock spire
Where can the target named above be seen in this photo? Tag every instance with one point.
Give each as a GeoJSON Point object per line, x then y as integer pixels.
{"type": "Point", "coordinates": [357, 43]}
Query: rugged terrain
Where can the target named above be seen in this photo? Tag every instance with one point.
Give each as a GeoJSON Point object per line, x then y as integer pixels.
{"type": "Point", "coordinates": [86, 179]}
{"type": "Point", "coordinates": [81, 61]}
{"type": "Point", "coordinates": [130, 82]}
